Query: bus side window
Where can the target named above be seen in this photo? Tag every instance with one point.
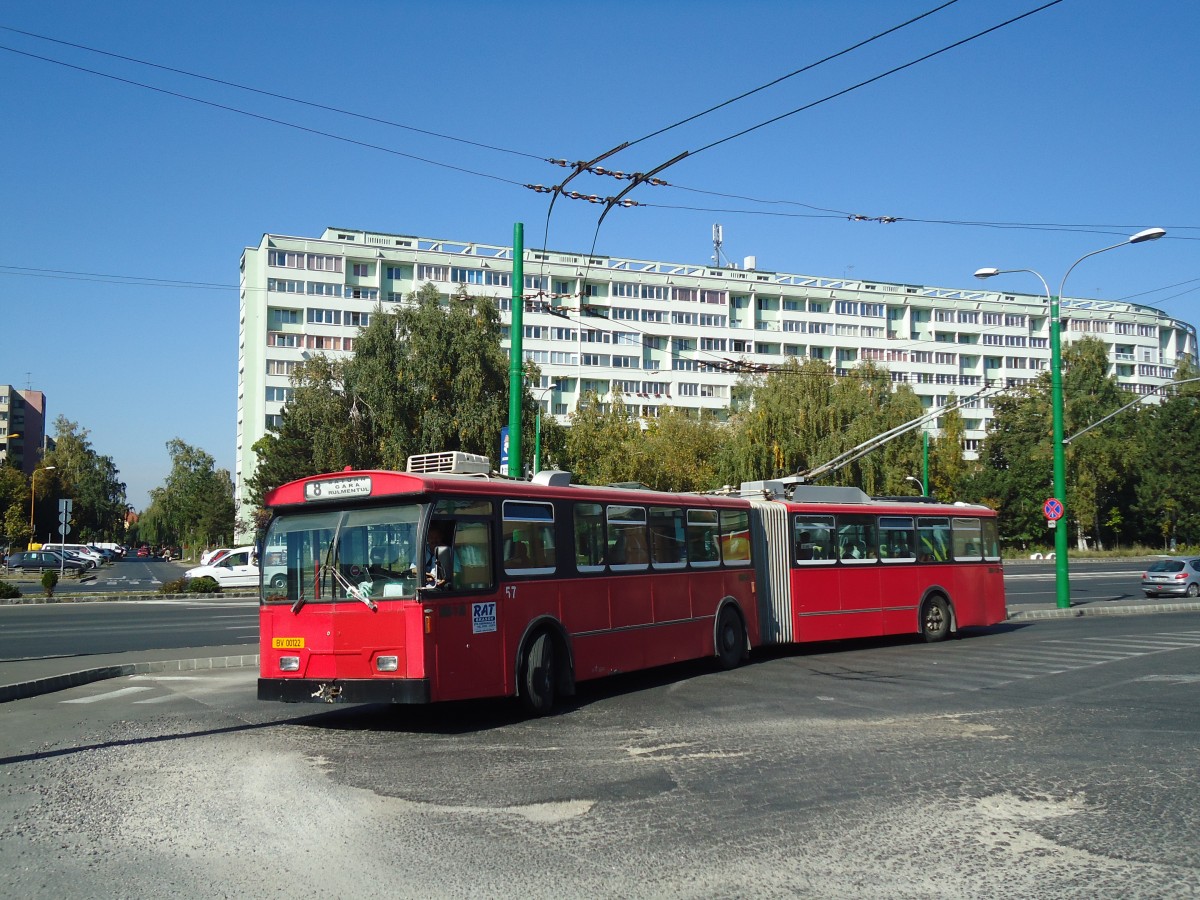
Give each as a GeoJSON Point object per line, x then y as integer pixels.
{"type": "Point", "coordinates": [472, 568]}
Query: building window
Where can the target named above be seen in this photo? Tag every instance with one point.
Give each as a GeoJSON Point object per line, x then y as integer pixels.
{"type": "Point", "coordinates": [321, 263]}
{"type": "Point", "coordinates": [432, 273]}
{"type": "Point", "coordinates": [285, 259]}
{"type": "Point", "coordinates": [324, 316]}
{"type": "Point", "coordinates": [362, 270]}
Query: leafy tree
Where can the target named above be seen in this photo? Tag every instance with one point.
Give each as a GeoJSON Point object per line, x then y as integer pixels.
{"type": "Point", "coordinates": [801, 415]}
{"type": "Point", "coordinates": [195, 505]}
{"type": "Point", "coordinates": [603, 440]}
{"type": "Point", "coordinates": [679, 452]}
{"type": "Point", "coordinates": [430, 375]}
{"type": "Point", "coordinates": [1168, 469]}
{"type": "Point", "coordinates": [1098, 475]}
{"type": "Point", "coordinates": [14, 505]}
{"type": "Point", "coordinates": [86, 477]}
{"type": "Point", "coordinates": [948, 470]}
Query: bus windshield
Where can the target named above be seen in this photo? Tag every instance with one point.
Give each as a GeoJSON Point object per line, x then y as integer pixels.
{"type": "Point", "coordinates": [337, 554]}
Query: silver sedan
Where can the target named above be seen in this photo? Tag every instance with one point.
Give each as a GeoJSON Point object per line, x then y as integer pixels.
{"type": "Point", "coordinates": [1176, 576]}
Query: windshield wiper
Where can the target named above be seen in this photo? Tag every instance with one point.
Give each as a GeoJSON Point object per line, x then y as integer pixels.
{"type": "Point", "coordinates": [353, 591]}
{"type": "Point", "coordinates": [299, 603]}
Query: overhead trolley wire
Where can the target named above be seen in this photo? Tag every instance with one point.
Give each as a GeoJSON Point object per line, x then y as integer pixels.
{"type": "Point", "coordinates": [264, 118]}
{"type": "Point", "coordinates": [273, 94]}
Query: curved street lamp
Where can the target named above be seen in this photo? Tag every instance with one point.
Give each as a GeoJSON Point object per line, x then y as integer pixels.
{"type": "Point", "coordinates": [33, 497]}
{"type": "Point", "coordinates": [537, 426]}
{"type": "Point", "coordinates": [1061, 581]}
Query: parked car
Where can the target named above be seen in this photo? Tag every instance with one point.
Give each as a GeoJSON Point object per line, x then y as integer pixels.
{"type": "Point", "coordinates": [143, 552]}
{"type": "Point", "coordinates": [81, 550]}
{"type": "Point", "coordinates": [41, 560]}
{"type": "Point", "coordinates": [72, 557]}
{"type": "Point", "coordinates": [238, 568]}
{"type": "Point", "coordinates": [1175, 576]}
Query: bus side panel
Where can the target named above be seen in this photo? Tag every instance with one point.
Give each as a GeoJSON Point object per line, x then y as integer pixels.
{"type": "Point", "coordinates": [816, 603]}
{"type": "Point", "coordinates": [469, 657]}
{"type": "Point", "coordinates": [862, 612]}
{"type": "Point", "coordinates": [903, 585]}
{"type": "Point", "coordinates": [978, 594]}
{"type": "Point", "coordinates": [672, 597]}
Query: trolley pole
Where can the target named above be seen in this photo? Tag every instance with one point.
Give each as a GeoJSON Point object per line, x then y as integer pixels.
{"type": "Point", "coordinates": [516, 353]}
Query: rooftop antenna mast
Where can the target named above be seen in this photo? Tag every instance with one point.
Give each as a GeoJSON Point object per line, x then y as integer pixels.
{"type": "Point", "coordinates": [716, 245]}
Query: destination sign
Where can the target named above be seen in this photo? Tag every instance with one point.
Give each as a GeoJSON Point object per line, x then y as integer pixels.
{"type": "Point", "coordinates": [338, 488]}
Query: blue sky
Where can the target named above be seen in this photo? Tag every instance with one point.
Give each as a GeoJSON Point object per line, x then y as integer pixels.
{"type": "Point", "coordinates": [1081, 115]}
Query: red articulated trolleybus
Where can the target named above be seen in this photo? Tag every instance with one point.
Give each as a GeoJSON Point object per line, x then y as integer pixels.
{"type": "Point", "coordinates": [444, 582]}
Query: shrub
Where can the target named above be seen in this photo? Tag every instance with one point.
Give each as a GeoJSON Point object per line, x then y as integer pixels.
{"type": "Point", "coordinates": [49, 582]}
{"type": "Point", "coordinates": [204, 585]}
{"type": "Point", "coordinates": [9, 591]}
{"type": "Point", "coordinates": [172, 587]}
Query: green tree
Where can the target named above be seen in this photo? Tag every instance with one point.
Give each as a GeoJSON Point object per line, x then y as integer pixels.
{"type": "Point", "coordinates": [948, 470]}
{"type": "Point", "coordinates": [428, 376]}
{"type": "Point", "coordinates": [1168, 469]}
{"type": "Point", "coordinates": [1098, 463]}
{"type": "Point", "coordinates": [679, 452]}
{"type": "Point", "coordinates": [14, 505]}
{"type": "Point", "coordinates": [195, 505]}
{"type": "Point", "coordinates": [603, 441]}
{"type": "Point", "coordinates": [86, 477]}
{"type": "Point", "coordinates": [802, 415]}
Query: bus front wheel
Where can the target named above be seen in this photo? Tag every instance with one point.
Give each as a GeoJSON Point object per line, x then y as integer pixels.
{"type": "Point", "coordinates": [731, 639]}
{"type": "Point", "coordinates": [935, 619]}
{"type": "Point", "coordinates": [539, 675]}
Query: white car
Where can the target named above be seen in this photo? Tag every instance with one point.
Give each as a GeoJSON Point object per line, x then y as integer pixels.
{"type": "Point", "coordinates": [237, 568]}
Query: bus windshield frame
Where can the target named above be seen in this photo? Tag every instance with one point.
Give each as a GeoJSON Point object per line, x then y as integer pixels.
{"type": "Point", "coordinates": [346, 553]}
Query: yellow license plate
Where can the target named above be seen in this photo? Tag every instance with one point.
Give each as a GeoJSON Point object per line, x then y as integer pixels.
{"type": "Point", "coordinates": [287, 643]}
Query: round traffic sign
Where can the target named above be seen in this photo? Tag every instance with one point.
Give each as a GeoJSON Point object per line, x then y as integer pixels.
{"type": "Point", "coordinates": [1052, 509]}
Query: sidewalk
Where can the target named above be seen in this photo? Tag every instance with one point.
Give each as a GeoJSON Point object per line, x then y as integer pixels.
{"type": "Point", "coordinates": [30, 677]}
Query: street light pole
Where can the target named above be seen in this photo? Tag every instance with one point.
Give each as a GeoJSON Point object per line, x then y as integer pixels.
{"type": "Point", "coordinates": [33, 497]}
{"type": "Point", "coordinates": [1062, 586]}
{"type": "Point", "coordinates": [537, 427]}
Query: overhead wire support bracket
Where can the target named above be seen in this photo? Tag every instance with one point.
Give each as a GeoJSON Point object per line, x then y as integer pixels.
{"type": "Point", "coordinates": [638, 178]}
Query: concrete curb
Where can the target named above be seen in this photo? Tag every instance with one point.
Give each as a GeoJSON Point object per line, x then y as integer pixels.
{"type": "Point", "coordinates": [125, 596]}
{"type": "Point", "coordinates": [1129, 610]}
{"type": "Point", "coordinates": [50, 684]}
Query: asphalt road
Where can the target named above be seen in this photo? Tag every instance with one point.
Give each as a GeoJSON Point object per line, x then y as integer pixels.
{"type": "Point", "coordinates": [1052, 758]}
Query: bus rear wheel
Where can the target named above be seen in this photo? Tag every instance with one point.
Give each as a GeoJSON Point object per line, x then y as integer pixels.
{"type": "Point", "coordinates": [539, 675]}
{"type": "Point", "coordinates": [935, 619]}
{"type": "Point", "coordinates": [731, 639]}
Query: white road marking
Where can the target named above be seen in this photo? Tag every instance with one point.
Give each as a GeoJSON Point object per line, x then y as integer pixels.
{"type": "Point", "coordinates": [109, 695]}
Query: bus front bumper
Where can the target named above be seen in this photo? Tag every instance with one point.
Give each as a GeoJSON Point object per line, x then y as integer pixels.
{"type": "Point", "coordinates": [347, 690]}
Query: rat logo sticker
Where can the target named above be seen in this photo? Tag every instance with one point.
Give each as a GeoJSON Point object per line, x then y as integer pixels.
{"type": "Point", "coordinates": [483, 617]}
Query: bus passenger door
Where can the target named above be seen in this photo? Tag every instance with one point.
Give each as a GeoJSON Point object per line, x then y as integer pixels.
{"type": "Point", "coordinates": [467, 620]}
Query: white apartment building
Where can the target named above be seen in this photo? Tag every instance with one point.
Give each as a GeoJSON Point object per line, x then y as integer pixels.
{"type": "Point", "coordinates": [668, 334]}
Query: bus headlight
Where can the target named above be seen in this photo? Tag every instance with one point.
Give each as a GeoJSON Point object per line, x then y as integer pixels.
{"type": "Point", "coordinates": [289, 664]}
{"type": "Point", "coordinates": [387, 663]}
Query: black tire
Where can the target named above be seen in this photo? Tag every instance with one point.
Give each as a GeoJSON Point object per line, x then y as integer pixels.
{"type": "Point", "coordinates": [1193, 590]}
{"type": "Point", "coordinates": [731, 639]}
{"type": "Point", "coordinates": [935, 619]}
{"type": "Point", "coordinates": [539, 675]}
{"type": "Point", "coordinates": [279, 581]}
